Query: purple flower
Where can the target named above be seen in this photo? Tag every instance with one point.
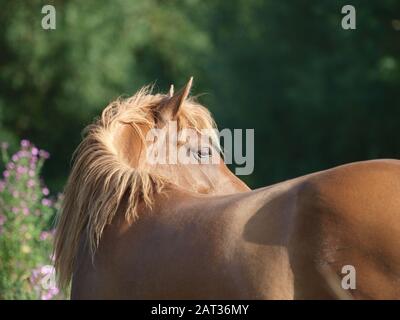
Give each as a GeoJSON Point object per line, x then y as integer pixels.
{"type": "Point", "coordinates": [31, 183]}
{"type": "Point", "coordinates": [35, 151]}
{"type": "Point", "coordinates": [53, 291]}
{"type": "Point", "coordinates": [25, 211]}
{"type": "Point", "coordinates": [25, 143]}
{"type": "Point", "coordinates": [15, 158]}
{"type": "Point", "coordinates": [45, 235]}
{"type": "Point", "coordinates": [45, 191]}
{"type": "Point", "coordinates": [44, 154]}
{"type": "Point", "coordinates": [6, 174]}
{"type": "Point", "coordinates": [46, 202]}
{"type": "Point", "coordinates": [10, 166]}
{"type": "Point", "coordinates": [22, 169]}
{"type": "Point", "coordinates": [42, 278]}
{"type": "Point", "coordinates": [34, 275]}
{"type": "Point", "coordinates": [46, 296]}
{"type": "Point", "coordinates": [14, 210]}
{"type": "Point", "coordinates": [47, 269]}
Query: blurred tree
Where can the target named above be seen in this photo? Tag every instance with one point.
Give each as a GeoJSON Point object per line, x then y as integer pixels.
{"type": "Point", "coordinates": [52, 83]}
{"type": "Point", "coordinates": [317, 95]}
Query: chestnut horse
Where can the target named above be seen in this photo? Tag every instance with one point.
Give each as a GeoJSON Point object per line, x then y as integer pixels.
{"type": "Point", "coordinates": [131, 230]}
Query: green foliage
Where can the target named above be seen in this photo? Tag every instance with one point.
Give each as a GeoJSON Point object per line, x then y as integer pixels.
{"type": "Point", "coordinates": [26, 214]}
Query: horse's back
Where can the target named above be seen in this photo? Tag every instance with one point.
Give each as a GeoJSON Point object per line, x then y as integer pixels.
{"type": "Point", "coordinates": [350, 215]}
{"type": "Point", "coordinates": [311, 226]}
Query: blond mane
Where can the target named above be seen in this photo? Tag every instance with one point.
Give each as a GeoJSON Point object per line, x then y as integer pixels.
{"type": "Point", "coordinates": [100, 177]}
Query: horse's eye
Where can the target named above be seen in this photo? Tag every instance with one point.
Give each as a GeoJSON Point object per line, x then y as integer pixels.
{"type": "Point", "coordinates": [204, 152]}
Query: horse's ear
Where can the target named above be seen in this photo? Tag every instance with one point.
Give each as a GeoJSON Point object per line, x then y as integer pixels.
{"type": "Point", "coordinates": [170, 109]}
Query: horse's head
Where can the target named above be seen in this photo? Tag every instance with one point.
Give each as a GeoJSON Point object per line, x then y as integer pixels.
{"type": "Point", "coordinates": [139, 147]}
{"type": "Point", "coordinates": [177, 141]}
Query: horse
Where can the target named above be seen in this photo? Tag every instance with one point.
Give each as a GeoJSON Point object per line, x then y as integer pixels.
{"type": "Point", "coordinates": [133, 230]}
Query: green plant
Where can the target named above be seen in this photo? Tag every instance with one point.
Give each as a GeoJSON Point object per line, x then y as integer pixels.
{"type": "Point", "coordinates": [26, 214]}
